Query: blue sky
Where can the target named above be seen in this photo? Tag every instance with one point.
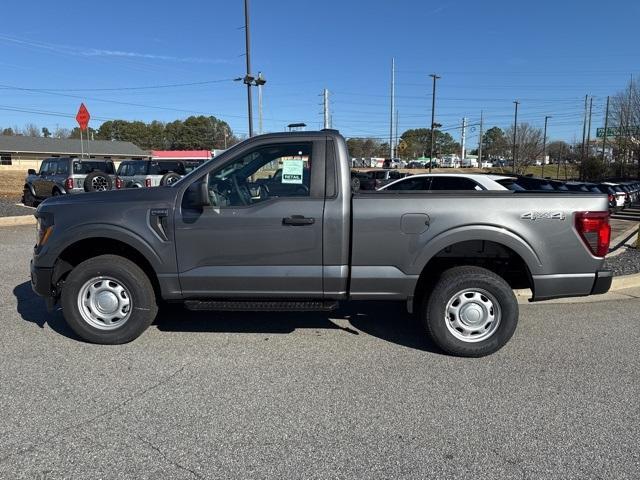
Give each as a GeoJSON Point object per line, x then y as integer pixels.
{"type": "Point", "coordinates": [547, 54]}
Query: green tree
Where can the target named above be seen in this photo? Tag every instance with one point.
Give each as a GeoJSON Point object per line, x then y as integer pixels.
{"type": "Point", "coordinates": [45, 132]}
{"type": "Point", "coordinates": [494, 143]}
{"type": "Point", "coordinates": [364, 147]}
{"type": "Point", "coordinates": [417, 142]}
{"type": "Point", "coordinates": [8, 131]}
{"type": "Point", "coordinates": [593, 169]}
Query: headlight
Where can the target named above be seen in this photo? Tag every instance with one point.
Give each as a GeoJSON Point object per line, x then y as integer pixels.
{"type": "Point", "coordinates": [44, 228]}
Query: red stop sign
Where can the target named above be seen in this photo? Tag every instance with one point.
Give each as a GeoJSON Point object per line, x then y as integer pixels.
{"type": "Point", "coordinates": [83, 117]}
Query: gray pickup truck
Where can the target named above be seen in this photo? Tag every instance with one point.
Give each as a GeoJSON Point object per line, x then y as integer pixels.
{"type": "Point", "coordinates": [222, 238]}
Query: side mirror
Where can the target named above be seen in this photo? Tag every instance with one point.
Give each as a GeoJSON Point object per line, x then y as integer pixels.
{"type": "Point", "coordinates": [197, 194]}
{"type": "Point", "coordinates": [31, 171]}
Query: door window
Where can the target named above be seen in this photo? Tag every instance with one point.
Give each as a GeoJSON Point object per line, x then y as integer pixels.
{"type": "Point", "coordinates": [272, 171]}
{"type": "Point", "coordinates": [47, 167]}
{"type": "Point", "coordinates": [63, 168]}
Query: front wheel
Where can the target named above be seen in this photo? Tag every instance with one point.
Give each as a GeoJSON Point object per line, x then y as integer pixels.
{"type": "Point", "coordinates": [471, 312]}
{"type": "Point", "coordinates": [109, 300]}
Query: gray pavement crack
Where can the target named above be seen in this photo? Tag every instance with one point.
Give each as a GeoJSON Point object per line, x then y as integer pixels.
{"type": "Point", "coordinates": [167, 458]}
{"type": "Point", "coordinates": [92, 419]}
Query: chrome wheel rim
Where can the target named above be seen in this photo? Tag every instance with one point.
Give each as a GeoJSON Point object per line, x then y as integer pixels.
{"type": "Point", "coordinates": [472, 315]}
{"type": "Point", "coordinates": [104, 303]}
{"type": "Point", "coordinates": [99, 183]}
{"type": "Point", "coordinates": [172, 180]}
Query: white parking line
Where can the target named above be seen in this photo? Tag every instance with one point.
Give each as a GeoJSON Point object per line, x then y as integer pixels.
{"type": "Point", "coordinates": [23, 205]}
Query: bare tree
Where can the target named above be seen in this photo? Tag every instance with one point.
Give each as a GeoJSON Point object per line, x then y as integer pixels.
{"type": "Point", "coordinates": [61, 133]}
{"type": "Point", "coordinates": [558, 150]}
{"type": "Point", "coordinates": [625, 114]}
{"type": "Point", "coordinates": [31, 130]}
{"type": "Point", "coordinates": [528, 145]}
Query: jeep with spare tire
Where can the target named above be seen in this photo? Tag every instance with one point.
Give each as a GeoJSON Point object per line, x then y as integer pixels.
{"type": "Point", "coordinates": [67, 175]}
{"type": "Point", "coordinates": [152, 173]}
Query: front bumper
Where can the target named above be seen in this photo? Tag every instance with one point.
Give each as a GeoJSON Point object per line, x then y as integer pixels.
{"type": "Point", "coordinates": [41, 281]}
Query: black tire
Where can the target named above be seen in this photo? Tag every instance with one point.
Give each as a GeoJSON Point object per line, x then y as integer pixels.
{"type": "Point", "coordinates": [169, 178]}
{"type": "Point", "coordinates": [355, 184]}
{"type": "Point", "coordinates": [143, 308]}
{"type": "Point", "coordinates": [449, 286]}
{"type": "Point", "coordinates": [97, 181]}
{"type": "Point", "coordinates": [28, 199]}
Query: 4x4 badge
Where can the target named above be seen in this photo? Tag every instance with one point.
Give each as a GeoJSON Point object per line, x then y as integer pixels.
{"type": "Point", "coordinates": [533, 216]}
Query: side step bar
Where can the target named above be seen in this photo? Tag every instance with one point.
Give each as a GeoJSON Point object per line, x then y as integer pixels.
{"type": "Point", "coordinates": [262, 305]}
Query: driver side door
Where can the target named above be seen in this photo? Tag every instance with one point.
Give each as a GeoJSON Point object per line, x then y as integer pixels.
{"type": "Point", "coordinates": [262, 235]}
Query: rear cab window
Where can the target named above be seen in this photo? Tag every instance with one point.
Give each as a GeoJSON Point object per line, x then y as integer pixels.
{"type": "Point", "coordinates": [84, 167]}
{"type": "Point", "coordinates": [162, 168]}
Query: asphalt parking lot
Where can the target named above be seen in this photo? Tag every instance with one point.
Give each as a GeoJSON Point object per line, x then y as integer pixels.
{"type": "Point", "coordinates": [355, 394]}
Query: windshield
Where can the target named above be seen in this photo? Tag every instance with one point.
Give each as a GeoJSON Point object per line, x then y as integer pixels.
{"type": "Point", "coordinates": [198, 170]}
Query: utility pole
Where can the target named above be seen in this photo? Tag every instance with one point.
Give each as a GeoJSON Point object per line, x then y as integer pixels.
{"type": "Point", "coordinates": [584, 134]}
{"type": "Point", "coordinates": [463, 138]}
{"type": "Point", "coordinates": [628, 136]}
{"type": "Point", "coordinates": [248, 78]}
{"type": "Point", "coordinates": [393, 94]}
{"type": "Point", "coordinates": [396, 143]}
{"type": "Point", "coordinates": [259, 83]}
{"type": "Point", "coordinates": [515, 132]}
{"type": "Point", "coordinates": [589, 128]}
{"type": "Point", "coordinates": [433, 119]}
{"type": "Point", "coordinates": [544, 144]}
{"type": "Point", "coordinates": [480, 142]}
{"type": "Point", "coordinates": [606, 125]}
{"type": "Point", "coordinates": [325, 108]}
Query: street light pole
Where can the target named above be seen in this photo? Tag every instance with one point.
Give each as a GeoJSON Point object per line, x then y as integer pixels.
{"type": "Point", "coordinates": [606, 125]}
{"type": "Point", "coordinates": [248, 78]}
{"type": "Point", "coordinates": [433, 119]}
{"type": "Point", "coordinates": [392, 109]}
{"type": "Point", "coordinates": [544, 144]}
{"type": "Point", "coordinates": [515, 131]}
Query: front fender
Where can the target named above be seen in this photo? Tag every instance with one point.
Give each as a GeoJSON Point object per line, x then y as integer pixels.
{"type": "Point", "coordinates": [489, 233]}
{"type": "Point", "coordinates": [58, 243]}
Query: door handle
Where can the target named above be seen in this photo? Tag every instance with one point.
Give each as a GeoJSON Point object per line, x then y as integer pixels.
{"type": "Point", "coordinates": [298, 220]}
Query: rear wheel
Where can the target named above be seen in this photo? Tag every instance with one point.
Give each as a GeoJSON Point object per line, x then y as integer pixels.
{"type": "Point", "coordinates": [109, 300]}
{"type": "Point", "coordinates": [471, 312]}
{"type": "Point", "coordinates": [28, 199]}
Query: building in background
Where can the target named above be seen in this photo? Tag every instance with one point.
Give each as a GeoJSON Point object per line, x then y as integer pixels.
{"type": "Point", "coordinates": [21, 153]}
{"type": "Point", "coordinates": [201, 155]}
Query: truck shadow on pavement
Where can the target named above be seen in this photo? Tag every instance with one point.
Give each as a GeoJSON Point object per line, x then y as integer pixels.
{"type": "Point", "coordinates": [387, 321]}
{"type": "Point", "coordinates": [32, 309]}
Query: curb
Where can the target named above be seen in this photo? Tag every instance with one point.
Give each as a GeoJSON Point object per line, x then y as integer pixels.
{"type": "Point", "coordinates": [18, 220]}
{"type": "Point", "coordinates": [618, 243]}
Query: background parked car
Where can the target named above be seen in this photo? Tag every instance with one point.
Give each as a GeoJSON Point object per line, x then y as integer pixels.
{"type": "Point", "coordinates": [443, 181]}
{"type": "Point", "coordinates": [152, 173]}
{"type": "Point", "coordinates": [619, 193]}
{"type": "Point", "coordinates": [66, 175]}
{"type": "Point", "coordinates": [362, 181]}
